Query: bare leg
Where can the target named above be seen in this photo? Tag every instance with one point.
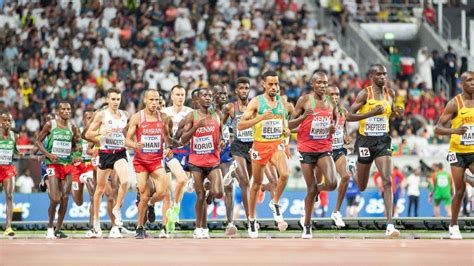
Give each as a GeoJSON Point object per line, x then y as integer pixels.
{"type": "Point", "coordinates": [8, 187]}
{"type": "Point", "coordinates": [99, 191]}
{"type": "Point", "coordinates": [384, 165]}
{"type": "Point", "coordinates": [142, 178]}
{"type": "Point", "coordinates": [257, 171]}
{"type": "Point", "coordinates": [121, 167]}
{"type": "Point", "coordinates": [280, 160]}
{"type": "Point", "coordinates": [229, 194]}
{"type": "Point", "coordinates": [243, 172]}
{"type": "Point", "coordinates": [181, 179]}
{"type": "Point", "coordinates": [312, 190]}
{"type": "Point", "coordinates": [200, 196]}
{"type": "Point", "coordinates": [162, 193]}
{"type": "Point", "coordinates": [341, 167]}
{"type": "Point", "coordinates": [459, 189]}
{"type": "Point", "coordinates": [54, 199]}
{"type": "Point", "coordinates": [65, 185]}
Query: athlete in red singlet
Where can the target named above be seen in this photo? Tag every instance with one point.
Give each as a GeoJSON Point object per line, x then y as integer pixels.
{"type": "Point", "coordinates": [147, 135]}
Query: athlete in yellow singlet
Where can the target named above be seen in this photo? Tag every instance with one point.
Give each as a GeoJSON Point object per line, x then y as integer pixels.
{"type": "Point", "coordinates": [373, 110]}
{"type": "Point", "coordinates": [460, 112]}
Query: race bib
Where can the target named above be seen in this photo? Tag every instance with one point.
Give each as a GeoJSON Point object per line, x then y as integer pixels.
{"type": "Point", "coordinates": [364, 152]}
{"type": "Point", "coordinates": [338, 138]}
{"type": "Point", "coordinates": [254, 155]}
{"type": "Point", "coordinates": [6, 157]}
{"type": "Point", "coordinates": [245, 135]}
{"type": "Point", "coordinates": [115, 141]}
{"type": "Point", "coordinates": [442, 181]}
{"type": "Point", "coordinates": [320, 127]}
{"type": "Point", "coordinates": [152, 144]}
{"type": "Point", "coordinates": [62, 149]}
{"type": "Point", "coordinates": [272, 129]}
{"type": "Point", "coordinates": [203, 145]}
{"type": "Point", "coordinates": [452, 158]}
{"type": "Point", "coordinates": [467, 138]}
{"type": "Point", "coordinates": [85, 156]}
{"type": "Point", "coordinates": [376, 126]}
{"type": "Point", "coordinates": [50, 172]}
{"type": "Point", "coordinates": [75, 185]}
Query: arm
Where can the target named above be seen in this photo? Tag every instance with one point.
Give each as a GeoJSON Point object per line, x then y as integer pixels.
{"type": "Point", "coordinates": [92, 132]}
{"type": "Point", "coordinates": [168, 132]}
{"type": "Point", "coordinates": [39, 142]}
{"type": "Point", "coordinates": [359, 102]}
{"type": "Point", "coordinates": [130, 140]}
{"type": "Point", "coordinates": [190, 127]}
{"type": "Point", "coordinates": [179, 132]}
{"type": "Point", "coordinates": [86, 127]}
{"type": "Point", "coordinates": [228, 110]}
{"type": "Point", "coordinates": [299, 114]}
{"type": "Point", "coordinates": [249, 118]}
{"type": "Point", "coordinates": [398, 110]}
{"type": "Point", "coordinates": [443, 122]}
{"type": "Point", "coordinates": [347, 137]}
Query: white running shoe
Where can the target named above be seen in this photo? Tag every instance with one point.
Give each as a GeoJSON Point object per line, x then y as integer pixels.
{"type": "Point", "coordinates": [115, 232]}
{"type": "Point", "coordinates": [231, 230]}
{"type": "Point", "coordinates": [391, 231]}
{"type": "Point", "coordinates": [277, 216]}
{"type": "Point", "coordinates": [90, 234]}
{"type": "Point", "coordinates": [228, 177]}
{"type": "Point", "coordinates": [198, 233]}
{"type": "Point", "coordinates": [317, 203]}
{"type": "Point", "coordinates": [50, 234]}
{"type": "Point", "coordinates": [190, 185]}
{"type": "Point", "coordinates": [307, 232]}
{"type": "Point", "coordinates": [163, 234]}
{"type": "Point", "coordinates": [117, 212]}
{"type": "Point", "coordinates": [454, 232]}
{"type": "Point", "coordinates": [97, 229]}
{"type": "Point", "coordinates": [301, 222]}
{"type": "Point", "coordinates": [205, 233]}
{"type": "Point", "coordinates": [337, 218]}
{"type": "Point", "coordinates": [125, 231]}
{"type": "Point", "coordinates": [253, 230]}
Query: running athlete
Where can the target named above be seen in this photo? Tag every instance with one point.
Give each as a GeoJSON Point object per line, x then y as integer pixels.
{"type": "Point", "coordinates": [220, 100]}
{"type": "Point", "coordinates": [62, 138]}
{"type": "Point", "coordinates": [202, 130]}
{"type": "Point", "coordinates": [460, 112]}
{"type": "Point", "coordinates": [83, 173]}
{"type": "Point", "coordinates": [108, 126]}
{"type": "Point", "coordinates": [242, 141]}
{"type": "Point", "coordinates": [442, 190]}
{"type": "Point", "coordinates": [43, 184]}
{"type": "Point", "coordinates": [7, 169]}
{"type": "Point", "coordinates": [177, 164]}
{"type": "Point", "coordinates": [315, 115]}
{"type": "Point", "coordinates": [147, 135]}
{"type": "Point", "coordinates": [373, 108]}
{"type": "Point", "coordinates": [267, 115]}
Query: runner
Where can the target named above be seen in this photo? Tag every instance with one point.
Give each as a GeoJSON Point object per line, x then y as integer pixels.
{"type": "Point", "coordinates": [267, 115]}
{"type": "Point", "coordinates": [315, 115]}
{"type": "Point", "coordinates": [227, 163]}
{"type": "Point", "coordinates": [373, 108]}
{"type": "Point", "coordinates": [43, 184]}
{"type": "Point", "coordinates": [147, 135]}
{"type": "Point", "coordinates": [202, 130]}
{"type": "Point", "coordinates": [442, 190]}
{"type": "Point", "coordinates": [108, 126]}
{"type": "Point", "coordinates": [177, 164]}
{"type": "Point", "coordinates": [7, 150]}
{"type": "Point", "coordinates": [460, 112]}
{"type": "Point", "coordinates": [62, 138]}
{"type": "Point", "coordinates": [83, 173]}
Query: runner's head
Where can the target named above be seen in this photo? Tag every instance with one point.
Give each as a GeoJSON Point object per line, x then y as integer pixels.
{"type": "Point", "coordinates": [194, 98]}
{"type": "Point", "coordinates": [114, 96]}
{"type": "Point", "coordinates": [63, 110]}
{"type": "Point", "coordinates": [204, 98]}
{"type": "Point", "coordinates": [161, 103]}
{"type": "Point", "coordinates": [467, 82]}
{"type": "Point", "coordinates": [319, 83]}
{"type": "Point", "coordinates": [270, 83]}
{"type": "Point", "coordinates": [221, 94]}
{"type": "Point", "coordinates": [5, 120]}
{"type": "Point", "coordinates": [378, 75]}
{"type": "Point", "coordinates": [87, 118]}
{"type": "Point", "coordinates": [243, 88]}
{"type": "Point", "coordinates": [152, 100]}
{"type": "Point", "coordinates": [178, 95]}
{"type": "Point", "coordinates": [333, 92]}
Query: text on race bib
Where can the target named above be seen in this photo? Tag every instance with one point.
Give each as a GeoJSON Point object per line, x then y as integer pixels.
{"type": "Point", "coordinates": [338, 138]}
{"type": "Point", "coordinates": [62, 149]}
{"type": "Point", "coordinates": [364, 152]}
{"type": "Point", "coordinates": [6, 157]}
{"type": "Point", "coordinates": [115, 141]}
{"type": "Point", "coordinates": [203, 145]}
{"type": "Point", "coordinates": [86, 156]}
{"type": "Point", "coordinates": [320, 127]}
{"type": "Point", "coordinates": [151, 144]}
{"type": "Point", "coordinates": [452, 158]}
{"type": "Point", "coordinates": [468, 137]}
{"type": "Point", "coordinates": [376, 126]}
{"type": "Point", "coordinates": [272, 128]}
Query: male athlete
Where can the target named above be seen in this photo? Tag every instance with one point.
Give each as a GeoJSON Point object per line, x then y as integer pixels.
{"type": "Point", "coordinates": [62, 139]}
{"type": "Point", "coordinates": [373, 109]}
{"type": "Point", "coordinates": [267, 115]}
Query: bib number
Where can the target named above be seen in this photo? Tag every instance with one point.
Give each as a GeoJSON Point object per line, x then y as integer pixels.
{"type": "Point", "coordinates": [452, 158]}
{"type": "Point", "coordinates": [75, 185]}
{"type": "Point", "coordinates": [50, 172]}
{"type": "Point", "coordinates": [376, 126]}
{"type": "Point", "coordinates": [254, 155]}
{"type": "Point", "coordinates": [245, 135]}
{"type": "Point", "coordinates": [203, 145]}
{"type": "Point", "coordinates": [338, 139]}
{"type": "Point", "coordinates": [467, 138]}
{"type": "Point", "coordinates": [62, 149]}
{"type": "Point", "coordinates": [364, 152]}
{"type": "Point", "coordinates": [151, 144]}
{"type": "Point", "coordinates": [319, 128]}
{"type": "Point", "coordinates": [6, 157]}
{"type": "Point", "coordinates": [272, 129]}
{"type": "Point", "coordinates": [116, 141]}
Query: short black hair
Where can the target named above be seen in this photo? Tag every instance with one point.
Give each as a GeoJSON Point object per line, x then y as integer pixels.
{"type": "Point", "coordinates": [373, 68]}
{"type": "Point", "coordinates": [62, 102]}
{"type": "Point", "coordinates": [269, 73]}
{"type": "Point", "coordinates": [195, 92]}
{"type": "Point", "coordinates": [242, 80]}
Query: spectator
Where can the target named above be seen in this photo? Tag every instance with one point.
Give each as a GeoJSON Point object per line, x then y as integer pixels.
{"type": "Point", "coordinates": [425, 63]}
{"type": "Point", "coordinates": [412, 186]}
{"type": "Point", "coordinates": [32, 124]}
{"type": "Point", "coordinates": [429, 14]}
{"type": "Point", "coordinates": [438, 66]}
{"type": "Point", "coordinates": [451, 67]}
{"type": "Point", "coordinates": [442, 190]}
{"type": "Point", "coordinates": [25, 183]}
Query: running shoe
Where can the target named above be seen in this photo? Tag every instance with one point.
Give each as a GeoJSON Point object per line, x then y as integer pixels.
{"type": "Point", "coordinates": [170, 224]}
{"type": "Point", "coordinates": [163, 234]}
{"type": "Point", "coordinates": [190, 185]}
{"type": "Point", "coordinates": [140, 233]}
{"type": "Point", "coordinates": [228, 177]}
{"type": "Point", "coordinates": [118, 216]}
{"type": "Point", "coordinates": [351, 168]}
{"type": "Point", "coordinates": [59, 234]}
{"type": "Point", "coordinates": [50, 234]}
{"type": "Point", "coordinates": [42, 184]}
{"type": "Point", "coordinates": [307, 232]}
{"type": "Point", "coordinates": [97, 229]}
{"type": "Point", "coordinates": [151, 213]}
{"type": "Point", "coordinates": [392, 231]}
{"type": "Point", "coordinates": [91, 233]}
{"type": "Point", "coordinates": [276, 211]}
{"type": "Point", "coordinates": [175, 214]}
{"type": "Point", "coordinates": [301, 222]}
{"type": "Point", "coordinates": [115, 232]}
{"type": "Point", "coordinates": [125, 231]}
{"type": "Point", "coordinates": [454, 232]}
{"type": "Point", "coordinates": [205, 233]}
{"type": "Point", "coordinates": [231, 230]}
{"type": "Point", "coordinates": [9, 232]}
{"type": "Point", "coordinates": [198, 233]}
{"type": "Point", "coordinates": [337, 218]}
{"type": "Point", "coordinates": [253, 230]}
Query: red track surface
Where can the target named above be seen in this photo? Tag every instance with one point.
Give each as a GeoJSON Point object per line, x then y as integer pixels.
{"type": "Point", "coordinates": [236, 252]}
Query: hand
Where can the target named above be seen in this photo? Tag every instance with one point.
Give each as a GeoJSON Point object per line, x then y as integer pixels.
{"type": "Point", "coordinates": [167, 152]}
{"type": "Point", "coordinates": [308, 112]}
{"type": "Point", "coordinates": [221, 145]}
{"type": "Point", "coordinates": [460, 130]}
{"type": "Point", "coordinates": [202, 122]}
{"type": "Point", "coordinates": [53, 158]}
{"type": "Point", "coordinates": [399, 111]}
{"type": "Point", "coordinates": [268, 114]}
{"type": "Point", "coordinates": [76, 161]}
{"type": "Point", "coordinates": [347, 139]}
{"type": "Point", "coordinates": [286, 132]}
{"type": "Point", "coordinates": [332, 129]}
{"type": "Point", "coordinates": [21, 154]}
{"type": "Point", "coordinates": [105, 132]}
{"type": "Point", "coordinates": [139, 145]}
{"type": "Point", "coordinates": [378, 110]}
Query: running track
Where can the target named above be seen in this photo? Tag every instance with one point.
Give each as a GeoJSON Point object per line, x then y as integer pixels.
{"type": "Point", "coordinates": [236, 252]}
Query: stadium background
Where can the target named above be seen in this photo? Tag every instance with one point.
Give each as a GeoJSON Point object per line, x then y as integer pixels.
{"type": "Point", "coordinates": [76, 50]}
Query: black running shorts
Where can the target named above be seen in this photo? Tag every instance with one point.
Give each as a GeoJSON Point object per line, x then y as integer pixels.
{"type": "Point", "coordinates": [203, 170]}
{"type": "Point", "coordinates": [313, 157]}
{"type": "Point", "coordinates": [336, 154]}
{"type": "Point", "coordinates": [107, 160]}
{"type": "Point", "coordinates": [241, 149]}
{"type": "Point", "coordinates": [462, 160]}
{"type": "Point", "coordinates": [370, 148]}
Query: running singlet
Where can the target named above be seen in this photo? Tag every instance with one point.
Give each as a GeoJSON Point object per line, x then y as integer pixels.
{"type": "Point", "coordinates": [205, 143]}
{"type": "Point", "coordinates": [116, 139]}
{"type": "Point", "coordinates": [269, 129]}
{"type": "Point", "coordinates": [313, 133]}
{"type": "Point", "coordinates": [60, 143]}
{"type": "Point", "coordinates": [151, 134]}
{"type": "Point", "coordinates": [464, 117]}
{"type": "Point", "coordinates": [338, 136]}
{"type": "Point", "coordinates": [245, 135]}
{"type": "Point", "coordinates": [7, 147]}
{"type": "Point", "coordinates": [176, 118]}
{"type": "Point", "coordinates": [376, 125]}
{"type": "Point", "coordinates": [442, 183]}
